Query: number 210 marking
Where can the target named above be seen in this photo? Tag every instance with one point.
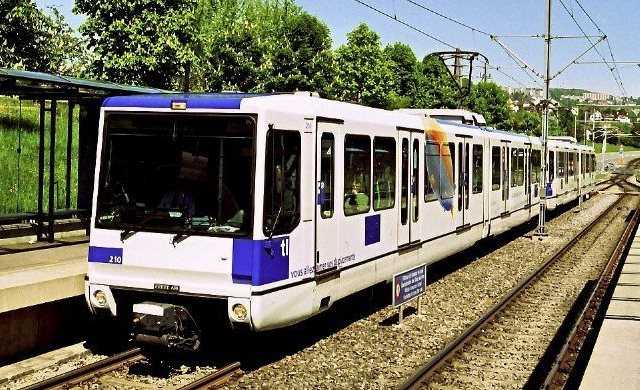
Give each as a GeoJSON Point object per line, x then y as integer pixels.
{"type": "Point", "coordinates": [115, 259]}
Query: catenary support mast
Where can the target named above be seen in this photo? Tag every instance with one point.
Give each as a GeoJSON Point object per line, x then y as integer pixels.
{"type": "Point", "coordinates": [542, 229]}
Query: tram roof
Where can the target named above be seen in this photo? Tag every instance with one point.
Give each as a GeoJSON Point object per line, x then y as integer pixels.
{"type": "Point", "coordinates": [224, 100]}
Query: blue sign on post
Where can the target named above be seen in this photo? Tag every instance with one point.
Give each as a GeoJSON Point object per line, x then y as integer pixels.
{"type": "Point", "coordinates": [548, 190]}
{"type": "Point", "coordinates": [409, 285]}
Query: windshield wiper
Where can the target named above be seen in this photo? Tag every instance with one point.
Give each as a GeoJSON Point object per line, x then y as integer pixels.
{"type": "Point", "coordinates": [178, 238]}
{"type": "Point", "coordinates": [127, 233]}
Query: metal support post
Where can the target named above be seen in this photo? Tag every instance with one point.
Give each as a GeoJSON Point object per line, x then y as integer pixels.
{"type": "Point", "coordinates": [40, 228]}
{"type": "Point", "coordinates": [542, 230]}
{"type": "Point", "coordinates": [67, 202]}
{"type": "Point", "coordinates": [52, 168]}
{"type": "Point", "coordinates": [604, 147]}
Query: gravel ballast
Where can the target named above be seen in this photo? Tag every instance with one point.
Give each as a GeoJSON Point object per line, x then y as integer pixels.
{"type": "Point", "coordinates": [367, 354]}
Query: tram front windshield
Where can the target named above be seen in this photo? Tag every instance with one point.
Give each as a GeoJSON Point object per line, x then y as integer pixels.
{"type": "Point", "coordinates": [178, 173]}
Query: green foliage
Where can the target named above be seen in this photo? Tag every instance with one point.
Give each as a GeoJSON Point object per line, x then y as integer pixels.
{"type": "Point", "coordinates": [490, 100]}
{"type": "Point", "coordinates": [260, 45]}
{"type": "Point", "coordinates": [18, 185]}
{"type": "Point", "coordinates": [526, 122]}
{"type": "Point", "coordinates": [32, 40]}
{"type": "Point", "coordinates": [565, 121]}
{"type": "Point", "coordinates": [434, 86]}
{"type": "Point", "coordinates": [147, 42]}
{"type": "Point", "coordinates": [363, 74]}
{"type": "Point", "coordinates": [404, 67]}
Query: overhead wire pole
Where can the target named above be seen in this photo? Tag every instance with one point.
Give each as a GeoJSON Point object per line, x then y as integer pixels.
{"type": "Point", "coordinates": [542, 229]}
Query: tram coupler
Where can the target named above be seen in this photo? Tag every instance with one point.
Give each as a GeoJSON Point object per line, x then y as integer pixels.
{"type": "Point", "coordinates": [163, 327]}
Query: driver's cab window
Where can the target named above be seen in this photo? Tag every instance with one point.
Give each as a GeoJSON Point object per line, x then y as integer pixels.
{"type": "Point", "coordinates": [281, 212]}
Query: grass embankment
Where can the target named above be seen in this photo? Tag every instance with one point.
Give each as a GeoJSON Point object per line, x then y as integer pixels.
{"type": "Point", "coordinates": [19, 185]}
{"type": "Point", "coordinates": [614, 148]}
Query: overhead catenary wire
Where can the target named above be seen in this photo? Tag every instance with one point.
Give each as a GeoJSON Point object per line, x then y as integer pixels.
{"type": "Point", "coordinates": [499, 70]}
{"type": "Point", "coordinates": [526, 68]}
{"type": "Point", "coordinates": [412, 27]}
{"type": "Point", "coordinates": [577, 58]}
{"type": "Point", "coordinates": [394, 17]}
{"type": "Point", "coordinates": [523, 65]}
{"type": "Point", "coordinates": [474, 29]}
{"type": "Point", "coordinates": [611, 69]}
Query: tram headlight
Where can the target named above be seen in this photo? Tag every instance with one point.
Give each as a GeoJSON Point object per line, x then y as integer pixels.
{"type": "Point", "coordinates": [101, 298]}
{"type": "Point", "coordinates": [239, 311]}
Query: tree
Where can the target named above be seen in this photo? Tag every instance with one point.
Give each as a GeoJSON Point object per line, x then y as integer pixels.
{"type": "Point", "coordinates": [521, 98]}
{"type": "Point", "coordinates": [525, 122]}
{"type": "Point", "coordinates": [362, 72]}
{"type": "Point", "coordinates": [263, 46]}
{"type": "Point", "coordinates": [33, 40]}
{"type": "Point", "coordinates": [490, 100]}
{"type": "Point", "coordinates": [302, 58]}
{"type": "Point", "coordinates": [434, 86]}
{"type": "Point", "coordinates": [148, 42]}
{"type": "Point", "coordinates": [404, 69]}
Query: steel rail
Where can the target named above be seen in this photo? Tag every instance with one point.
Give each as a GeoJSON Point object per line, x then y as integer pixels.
{"type": "Point", "coordinates": [424, 373]}
{"type": "Point", "coordinates": [576, 338]}
{"type": "Point", "coordinates": [79, 375]}
{"type": "Point", "coordinates": [215, 379]}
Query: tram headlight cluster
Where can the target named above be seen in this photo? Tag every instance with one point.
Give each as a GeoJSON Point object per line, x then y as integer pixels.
{"type": "Point", "coordinates": [101, 298]}
{"type": "Point", "coordinates": [239, 312]}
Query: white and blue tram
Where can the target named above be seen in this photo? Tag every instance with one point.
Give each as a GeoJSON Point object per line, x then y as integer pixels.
{"type": "Point", "coordinates": [260, 211]}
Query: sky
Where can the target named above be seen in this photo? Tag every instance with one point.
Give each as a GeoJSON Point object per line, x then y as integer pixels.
{"type": "Point", "coordinates": [618, 20]}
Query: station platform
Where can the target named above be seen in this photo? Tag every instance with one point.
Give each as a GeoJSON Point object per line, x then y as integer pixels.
{"type": "Point", "coordinates": [33, 277]}
{"type": "Point", "coordinates": [41, 295]}
{"type": "Point", "coordinates": [615, 360]}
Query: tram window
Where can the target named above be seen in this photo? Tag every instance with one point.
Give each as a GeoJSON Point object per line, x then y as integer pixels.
{"type": "Point", "coordinates": [447, 183]}
{"type": "Point", "coordinates": [551, 166]}
{"type": "Point", "coordinates": [357, 174]}
{"type": "Point", "coordinates": [327, 161]}
{"type": "Point", "coordinates": [514, 167]}
{"type": "Point", "coordinates": [384, 173]}
{"type": "Point", "coordinates": [571, 164]}
{"type": "Point", "coordinates": [495, 168]}
{"type": "Point", "coordinates": [561, 156]}
{"type": "Point", "coordinates": [431, 170]}
{"type": "Point", "coordinates": [415, 182]}
{"type": "Point", "coordinates": [477, 169]}
{"type": "Point", "coordinates": [404, 186]}
{"type": "Point", "coordinates": [517, 167]}
{"type": "Point", "coordinates": [520, 167]}
{"type": "Point", "coordinates": [535, 166]}
{"type": "Point", "coordinates": [177, 173]}
{"type": "Point", "coordinates": [281, 182]}
{"type": "Point", "coordinates": [585, 164]}
{"type": "Point", "coordinates": [566, 165]}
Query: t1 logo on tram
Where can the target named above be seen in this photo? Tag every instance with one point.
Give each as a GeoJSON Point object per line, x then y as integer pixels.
{"type": "Point", "coordinates": [284, 247]}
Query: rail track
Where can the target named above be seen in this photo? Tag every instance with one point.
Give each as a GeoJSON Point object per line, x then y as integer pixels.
{"type": "Point", "coordinates": [505, 346]}
{"type": "Point", "coordinates": [116, 362]}
{"type": "Point", "coordinates": [93, 370]}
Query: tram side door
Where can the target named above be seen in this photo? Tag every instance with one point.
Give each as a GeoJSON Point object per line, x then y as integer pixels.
{"type": "Point", "coordinates": [328, 188]}
{"type": "Point", "coordinates": [416, 185]}
{"type": "Point", "coordinates": [527, 175]}
{"type": "Point", "coordinates": [404, 171]}
{"type": "Point", "coordinates": [464, 169]}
